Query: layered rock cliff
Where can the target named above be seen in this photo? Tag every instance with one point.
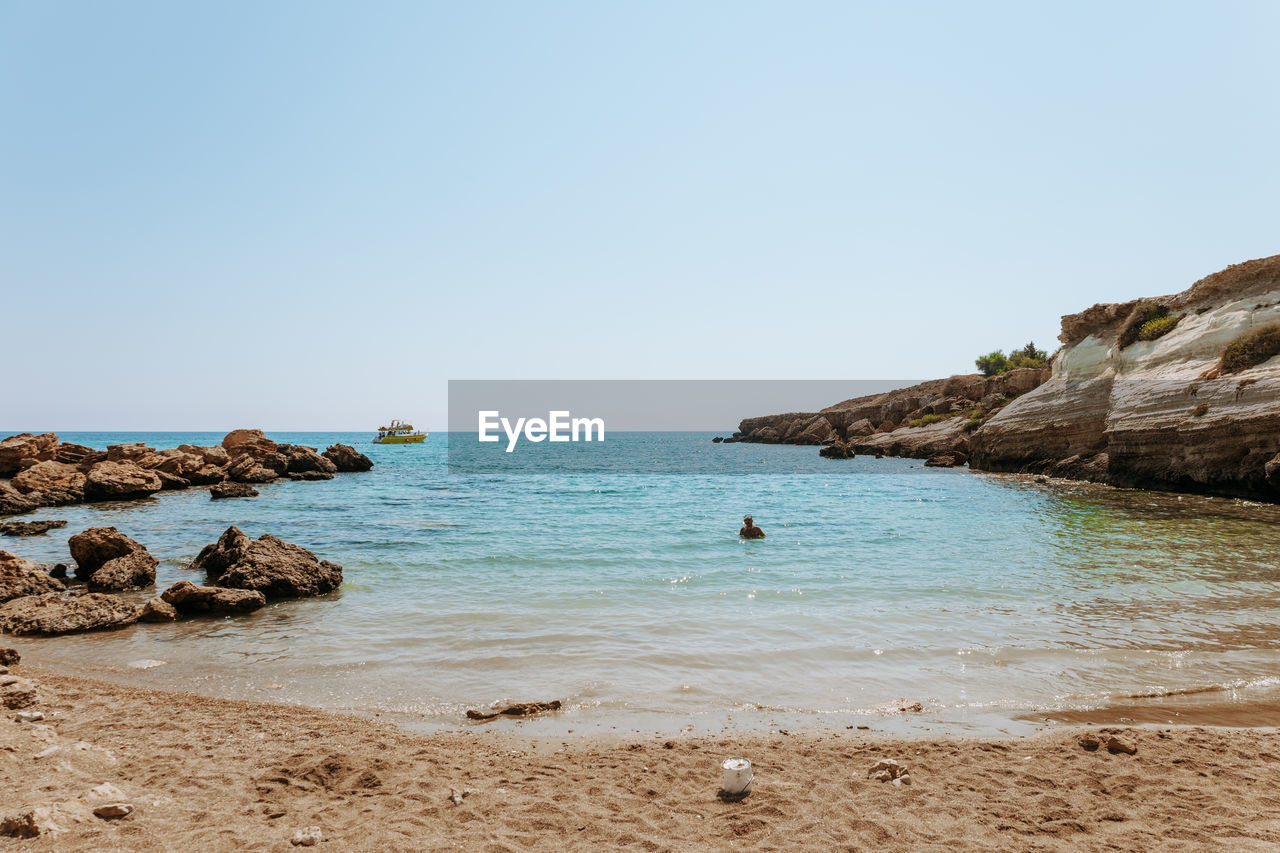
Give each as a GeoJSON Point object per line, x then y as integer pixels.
{"type": "Point", "coordinates": [1178, 392]}
{"type": "Point", "coordinates": [919, 421]}
{"type": "Point", "coordinates": [1159, 413]}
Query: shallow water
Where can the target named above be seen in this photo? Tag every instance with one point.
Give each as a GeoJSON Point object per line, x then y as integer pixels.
{"type": "Point", "coordinates": [631, 597]}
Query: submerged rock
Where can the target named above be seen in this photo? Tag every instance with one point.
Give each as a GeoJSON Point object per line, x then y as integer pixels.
{"type": "Point", "coordinates": [521, 709]}
{"type": "Point", "coordinates": [837, 450]}
{"type": "Point", "coordinates": [157, 610]}
{"type": "Point", "coordinates": [29, 528]}
{"type": "Point", "coordinates": [19, 578]}
{"type": "Point", "coordinates": [188, 598]}
{"type": "Point", "coordinates": [232, 490]}
{"type": "Point", "coordinates": [276, 568]}
{"type": "Point", "coordinates": [52, 614]}
{"type": "Point", "coordinates": [347, 459]}
{"type": "Point", "coordinates": [110, 560]}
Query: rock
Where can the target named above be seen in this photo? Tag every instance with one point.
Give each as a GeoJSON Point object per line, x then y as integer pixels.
{"type": "Point", "coordinates": [157, 610]}
{"type": "Point", "coordinates": [170, 482]}
{"type": "Point", "coordinates": [269, 565]}
{"type": "Point", "coordinates": [28, 716]}
{"type": "Point", "coordinates": [1089, 742]}
{"type": "Point", "coordinates": [717, 439]}
{"type": "Point", "coordinates": [23, 825]}
{"type": "Point", "coordinates": [110, 560]}
{"type": "Point", "coordinates": [52, 483]}
{"type": "Point", "coordinates": [253, 441]}
{"type": "Point", "coordinates": [52, 614]}
{"type": "Point", "coordinates": [187, 598]}
{"type": "Point", "coordinates": [309, 837]}
{"type": "Point", "coordinates": [523, 709]}
{"type": "Point", "coordinates": [889, 770]}
{"type": "Point", "coordinates": [302, 460]}
{"type": "Point", "coordinates": [838, 450]}
{"type": "Point", "coordinates": [79, 455]}
{"type": "Point", "coordinates": [20, 578]}
{"type": "Point", "coordinates": [128, 452]}
{"type": "Point", "coordinates": [58, 571]}
{"type": "Point", "coordinates": [347, 458]}
{"type": "Point", "coordinates": [22, 450]}
{"type": "Point", "coordinates": [944, 460]}
{"type": "Point", "coordinates": [113, 810]}
{"type": "Point", "coordinates": [215, 456]}
{"type": "Point", "coordinates": [246, 469]}
{"type": "Point", "coordinates": [1116, 744]}
{"type": "Point", "coordinates": [13, 502]}
{"type": "Point", "coordinates": [310, 476]}
{"type": "Point", "coordinates": [912, 708]}
{"type": "Point", "coordinates": [9, 657]}
{"type": "Point", "coordinates": [206, 475]}
{"type": "Point", "coordinates": [29, 528]}
{"type": "Point", "coordinates": [232, 490]}
{"type": "Point", "coordinates": [17, 692]}
{"type": "Point", "coordinates": [136, 570]}
{"type": "Point", "coordinates": [118, 481]}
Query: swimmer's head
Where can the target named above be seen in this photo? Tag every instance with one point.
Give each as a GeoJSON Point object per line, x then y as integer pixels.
{"type": "Point", "coordinates": [748, 521]}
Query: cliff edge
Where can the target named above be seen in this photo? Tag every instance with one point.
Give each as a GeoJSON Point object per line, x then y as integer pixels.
{"type": "Point", "coordinates": [1147, 394]}
{"type": "Point", "coordinates": [1178, 392]}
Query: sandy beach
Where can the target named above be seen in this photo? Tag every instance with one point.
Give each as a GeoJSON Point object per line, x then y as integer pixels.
{"type": "Point", "coordinates": [216, 775]}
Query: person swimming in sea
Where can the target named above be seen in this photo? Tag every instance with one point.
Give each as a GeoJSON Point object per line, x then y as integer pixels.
{"type": "Point", "coordinates": [749, 529]}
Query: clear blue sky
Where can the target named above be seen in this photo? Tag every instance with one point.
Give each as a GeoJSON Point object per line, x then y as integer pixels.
{"type": "Point", "coordinates": [311, 215]}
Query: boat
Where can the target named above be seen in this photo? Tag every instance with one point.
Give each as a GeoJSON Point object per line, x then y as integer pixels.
{"type": "Point", "coordinates": [399, 433]}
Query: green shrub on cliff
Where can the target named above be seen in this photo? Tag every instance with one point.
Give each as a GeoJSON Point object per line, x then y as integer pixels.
{"type": "Point", "coordinates": [1252, 348]}
{"type": "Point", "coordinates": [1149, 316]}
{"type": "Point", "coordinates": [1157, 328]}
{"type": "Point", "coordinates": [997, 362]}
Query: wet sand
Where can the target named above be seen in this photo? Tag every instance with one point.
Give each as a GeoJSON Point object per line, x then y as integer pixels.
{"type": "Point", "coordinates": [216, 775]}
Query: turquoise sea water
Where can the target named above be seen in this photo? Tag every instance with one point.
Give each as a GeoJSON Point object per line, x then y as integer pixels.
{"type": "Point", "coordinates": [632, 598]}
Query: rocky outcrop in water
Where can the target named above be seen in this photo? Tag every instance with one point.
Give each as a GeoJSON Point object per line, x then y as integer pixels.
{"type": "Point", "coordinates": [347, 459]}
{"type": "Point", "coordinates": [24, 450]}
{"type": "Point", "coordinates": [111, 561]}
{"type": "Point", "coordinates": [51, 613]}
{"type": "Point", "coordinates": [271, 566]}
{"type": "Point", "coordinates": [232, 490]}
{"type": "Point", "coordinates": [29, 528]}
{"type": "Point", "coordinates": [1153, 408]}
{"type": "Point", "coordinates": [19, 577]}
{"type": "Point", "coordinates": [923, 420]}
{"type": "Point", "coordinates": [120, 481]}
{"type": "Point", "coordinates": [189, 599]}
{"type": "Point", "coordinates": [45, 472]}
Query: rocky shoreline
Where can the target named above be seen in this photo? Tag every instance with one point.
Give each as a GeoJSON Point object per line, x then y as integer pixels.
{"type": "Point", "coordinates": [1179, 393]}
{"type": "Point", "coordinates": [242, 574]}
{"type": "Point", "coordinates": [41, 470]}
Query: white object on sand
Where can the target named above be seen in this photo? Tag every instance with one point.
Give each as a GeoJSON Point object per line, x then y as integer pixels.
{"type": "Point", "coordinates": [737, 776]}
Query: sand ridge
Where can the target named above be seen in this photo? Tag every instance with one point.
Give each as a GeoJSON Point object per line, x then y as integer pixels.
{"type": "Point", "coordinates": [217, 775]}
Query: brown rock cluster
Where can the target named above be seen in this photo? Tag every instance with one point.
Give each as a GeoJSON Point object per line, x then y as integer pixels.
{"type": "Point", "coordinates": [268, 565]}
{"type": "Point", "coordinates": [39, 470]}
{"type": "Point", "coordinates": [243, 573]}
